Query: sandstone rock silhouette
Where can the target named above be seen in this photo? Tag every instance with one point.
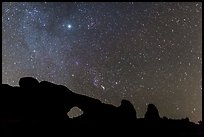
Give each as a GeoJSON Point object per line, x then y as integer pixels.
{"type": "Point", "coordinates": [40, 109]}
{"type": "Point", "coordinates": [28, 82]}
{"type": "Point", "coordinates": [128, 108]}
{"type": "Point", "coordinates": [152, 112]}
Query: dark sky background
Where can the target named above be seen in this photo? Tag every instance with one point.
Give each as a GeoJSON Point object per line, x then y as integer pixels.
{"type": "Point", "coordinates": [142, 52]}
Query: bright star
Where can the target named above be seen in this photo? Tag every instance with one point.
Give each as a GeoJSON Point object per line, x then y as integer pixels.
{"type": "Point", "coordinates": [69, 26]}
{"type": "Point", "coordinates": [102, 87]}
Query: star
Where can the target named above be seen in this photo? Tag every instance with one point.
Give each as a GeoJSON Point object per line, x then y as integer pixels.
{"type": "Point", "coordinates": [69, 26]}
{"type": "Point", "coordinates": [102, 87]}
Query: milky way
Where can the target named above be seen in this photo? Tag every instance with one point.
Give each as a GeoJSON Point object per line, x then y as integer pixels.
{"type": "Point", "coordinates": [142, 52]}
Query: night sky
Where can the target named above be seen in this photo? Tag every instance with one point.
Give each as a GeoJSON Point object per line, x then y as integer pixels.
{"type": "Point", "coordinates": [142, 52]}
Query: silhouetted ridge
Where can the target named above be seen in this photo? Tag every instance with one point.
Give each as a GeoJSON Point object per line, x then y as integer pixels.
{"type": "Point", "coordinates": [40, 109]}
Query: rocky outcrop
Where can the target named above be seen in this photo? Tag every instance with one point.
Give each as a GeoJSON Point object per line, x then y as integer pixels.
{"type": "Point", "coordinates": [40, 109]}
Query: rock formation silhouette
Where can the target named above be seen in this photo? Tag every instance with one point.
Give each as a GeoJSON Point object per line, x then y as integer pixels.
{"type": "Point", "coordinates": [40, 109]}
{"type": "Point", "coordinates": [152, 113]}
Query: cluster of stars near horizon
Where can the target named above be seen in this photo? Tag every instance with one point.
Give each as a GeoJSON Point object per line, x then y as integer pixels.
{"type": "Point", "coordinates": [142, 52]}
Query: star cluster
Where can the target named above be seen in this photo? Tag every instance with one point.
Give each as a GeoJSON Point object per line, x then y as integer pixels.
{"type": "Point", "coordinates": [142, 52]}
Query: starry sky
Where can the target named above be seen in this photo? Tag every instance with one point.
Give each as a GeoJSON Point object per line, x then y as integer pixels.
{"type": "Point", "coordinates": [143, 52]}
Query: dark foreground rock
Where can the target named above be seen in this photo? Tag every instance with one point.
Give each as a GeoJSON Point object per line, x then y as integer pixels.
{"type": "Point", "coordinates": [40, 109]}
